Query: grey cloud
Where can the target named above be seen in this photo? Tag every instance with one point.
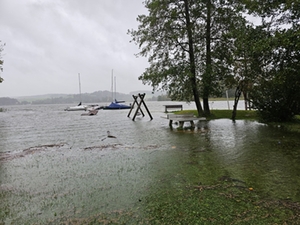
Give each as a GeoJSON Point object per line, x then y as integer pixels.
{"type": "Point", "coordinates": [49, 42]}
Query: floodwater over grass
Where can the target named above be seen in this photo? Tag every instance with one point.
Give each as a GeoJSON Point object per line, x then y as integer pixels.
{"type": "Point", "coordinates": [58, 167]}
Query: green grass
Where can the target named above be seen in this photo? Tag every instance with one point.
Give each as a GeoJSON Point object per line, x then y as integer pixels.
{"type": "Point", "coordinates": [225, 114]}
{"type": "Point", "coordinates": [293, 125]}
{"type": "Point", "coordinates": [221, 203]}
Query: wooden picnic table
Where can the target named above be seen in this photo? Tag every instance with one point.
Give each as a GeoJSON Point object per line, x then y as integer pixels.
{"type": "Point", "coordinates": [181, 119]}
{"type": "Point", "coordinates": [173, 107]}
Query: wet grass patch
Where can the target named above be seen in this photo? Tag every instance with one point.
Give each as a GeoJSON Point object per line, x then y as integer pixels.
{"type": "Point", "coordinates": [225, 114]}
{"type": "Point", "coordinates": [224, 202]}
{"type": "Point", "coordinates": [293, 125]}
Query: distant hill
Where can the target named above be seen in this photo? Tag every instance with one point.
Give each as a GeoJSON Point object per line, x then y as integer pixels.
{"type": "Point", "coordinates": [8, 101]}
{"type": "Point", "coordinates": [95, 97]}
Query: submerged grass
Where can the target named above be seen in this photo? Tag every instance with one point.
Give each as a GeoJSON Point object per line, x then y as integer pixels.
{"type": "Point", "coordinates": [224, 202]}
{"type": "Point", "coordinates": [220, 203]}
{"type": "Point", "coordinates": [293, 125]}
{"type": "Point", "coordinates": [225, 114]}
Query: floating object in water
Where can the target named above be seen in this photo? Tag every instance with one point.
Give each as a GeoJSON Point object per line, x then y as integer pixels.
{"type": "Point", "coordinates": [92, 112]}
{"type": "Point", "coordinates": [109, 135]}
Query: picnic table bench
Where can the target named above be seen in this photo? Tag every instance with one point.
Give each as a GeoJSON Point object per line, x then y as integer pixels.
{"type": "Point", "coordinates": [183, 118]}
{"type": "Point", "coordinates": [172, 107]}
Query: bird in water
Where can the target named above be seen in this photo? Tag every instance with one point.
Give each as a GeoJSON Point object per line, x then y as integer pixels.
{"type": "Point", "coordinates": [109, 135]}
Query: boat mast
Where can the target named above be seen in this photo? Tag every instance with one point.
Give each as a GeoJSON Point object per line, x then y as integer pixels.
{"type": "Point", "coordinates": [115, 89]}
{"type": "Point", "coordinates": [112, 85]}
{"type": "Point", "coordinates": [79, 86]}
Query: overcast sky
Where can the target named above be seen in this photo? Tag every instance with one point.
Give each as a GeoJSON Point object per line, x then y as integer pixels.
{"type": "Point", "coordinates": [48, 42]}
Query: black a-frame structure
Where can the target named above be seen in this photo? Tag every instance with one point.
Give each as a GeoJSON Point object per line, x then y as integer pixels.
{"type": "Point", "coordinates": [139, 103]}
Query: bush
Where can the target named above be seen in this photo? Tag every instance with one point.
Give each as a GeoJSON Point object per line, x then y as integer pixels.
{"type": "Point", "coordinates": [278, 100]}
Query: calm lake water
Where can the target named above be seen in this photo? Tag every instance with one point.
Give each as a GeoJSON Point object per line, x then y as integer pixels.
{"type": "Point", "coordinates": [56, 165]}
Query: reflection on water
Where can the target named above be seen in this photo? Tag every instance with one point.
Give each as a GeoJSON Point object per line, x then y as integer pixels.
{"type": "Point", "coordinates": [61, 165]}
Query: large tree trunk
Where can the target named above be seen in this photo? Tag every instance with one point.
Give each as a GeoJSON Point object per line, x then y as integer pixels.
{"type": "Point", "coordinates": [237, 96]}
{"type": "Point", "coordinates": [208, 71]}
{"type": "Point", "coordinates": [246, 100]}
{"type": "Point", "coordinates": [192, 79]}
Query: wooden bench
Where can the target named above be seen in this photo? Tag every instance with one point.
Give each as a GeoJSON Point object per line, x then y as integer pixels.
{"type": "Point", "coordinates": [172, 107]}
{"type": "Point", "coordinates": [183, 118]}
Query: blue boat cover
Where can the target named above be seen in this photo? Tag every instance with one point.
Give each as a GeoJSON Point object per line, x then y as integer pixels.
{"type": "Point", "coordinates": [116, 105]}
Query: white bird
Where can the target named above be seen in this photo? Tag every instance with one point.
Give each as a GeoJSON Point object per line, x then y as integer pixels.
{"type": "Point", "coordinates": [109, 135]}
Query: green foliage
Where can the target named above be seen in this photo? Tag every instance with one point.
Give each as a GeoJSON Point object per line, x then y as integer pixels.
{"type": "Point", "coordinates": [274, 66]}
{"type": "Point", "coordinates": [207, 46]}
{"type": "Point", "coordinates": [277, 96]}
{"type": "Point", "coordinates": [186, 44]}
{"type": "Point", "coordinates": [162, 36]}
{"type": "Point", "coordinates": [279, 99]}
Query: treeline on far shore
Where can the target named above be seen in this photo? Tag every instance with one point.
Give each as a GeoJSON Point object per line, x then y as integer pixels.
{"type": "Point", "coordinates": [95, 97]}
{"type": "Point", "coordinates": [12, 101]}
{"type": "Point", "coordinates": [73, 99]}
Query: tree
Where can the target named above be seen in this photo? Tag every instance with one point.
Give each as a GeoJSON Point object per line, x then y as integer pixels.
{"type": "Point", "coordinates": [1, 61]}
{"type": "Point", "coordinates": [248, 59]}
{"type": "Point", "coordinates": [277, 95]}
{"type": "Point", "coordinates": [167, 36]}
{"type": "Point", "coordinates": [221, 18]}
{"type": "Point", "coordinates": [185, 42]}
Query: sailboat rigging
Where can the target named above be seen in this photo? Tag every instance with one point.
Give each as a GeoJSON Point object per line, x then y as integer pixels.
{"type": "Point", "coordinates": [79, 106]}
{"type": "Point", "coordinates": [79, 90]}
{"type": "Point", "coordinates": [115, 104]}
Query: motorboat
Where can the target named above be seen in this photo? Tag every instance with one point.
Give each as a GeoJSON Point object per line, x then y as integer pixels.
{"type": "Point", "coordinates": [79, 107]}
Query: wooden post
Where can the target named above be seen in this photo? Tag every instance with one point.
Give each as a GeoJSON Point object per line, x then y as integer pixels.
{"type": "Point", "coordinates": [141, 96]}
{"type": "Point", "coordinates": [139, 108]}
{"type": "Point", "coordinates": [142, 100]}
{"type": "Point", "coordinates": [134, 102]}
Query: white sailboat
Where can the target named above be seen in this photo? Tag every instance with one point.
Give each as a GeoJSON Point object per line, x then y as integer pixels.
{"type": "Point", "coordinates": [79, 106]}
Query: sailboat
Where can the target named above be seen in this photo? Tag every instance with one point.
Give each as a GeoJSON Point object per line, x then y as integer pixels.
{"type": "Point", "coordinates": [116, 104]}
{"type": "Point", "coordinates": [79, 106]}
